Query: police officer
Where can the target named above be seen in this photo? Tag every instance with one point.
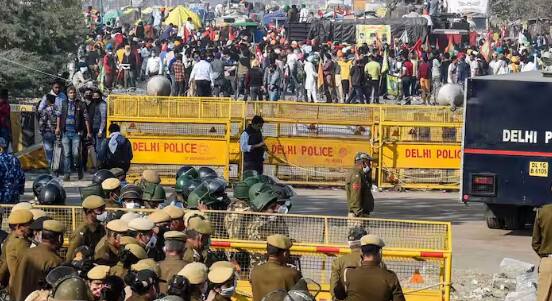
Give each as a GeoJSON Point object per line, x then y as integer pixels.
{"type": "Point", "coordinates": [198, 239]}
{"type": "Point", "coordinates": [4, 274]}
{"type": "Point", "coordinates": [96, 280]}
{"type": "Point", "coordinates": [112, 190]}
{"type": "Point", "coordinates": [129, 255]}
{"type": "Point", "coordinates": [131, 196]}
{"type": "Point", "coordinates": [369, 281]}
{"type": "Point", "coordinates": [542, 244]}
{"type": "Point", "coordinates": [107, 250]}
{"type": "Point", "coordinates": [252, 145]}
{"type": "Point", "coordinates": [141, 229]}
{"type": "Point", "coordinates": [196, 274]}
{"type": "Point", "coordinates": [12, 177]}
{"type": "Point", "coordinates": [359, 196]}
{"type": "Point", "coordinates": [144, 285]}
{"type": "Point", "coordinates": [352, 259]}
{"type": "Point", "coordinates": [222, 280]}
{"type": "Point", "coordinates": [38, 261]}
{"type": "Point", "coordinates": [367, 169]}
{"type": "Point", "coordinates": [70, 287]}
{"type": "Point", "coordinates": [154, 196]}
{"type": "Point", "coordinates": [275, 273]}
{"type": "Point", "coordinates": [161, 221]}
{"type": "Point", "coordinates": [91, 231]}
{"type": "Point", "coordinates": [173, 263]}
{"type": "Point", "coordinates": [177, 215]}
{"type": "Point", "coordinates": [19, 222]}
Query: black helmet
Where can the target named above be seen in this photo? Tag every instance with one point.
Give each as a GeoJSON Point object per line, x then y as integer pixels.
{"type": "Point", "coordinates": [131, 191]}
{"type": "Point", "coordinates": [207, 173]}
{"type": "Point", "coordinates": [188, 170]}
{"type": "Point", "coordinates": [101, 175]}
{"type": "Point", "coordinates": [52, 194]}
{"type": "Point", "coordinates": [40, 182]}
{"type": "Point", "coordinates": [216, 186]}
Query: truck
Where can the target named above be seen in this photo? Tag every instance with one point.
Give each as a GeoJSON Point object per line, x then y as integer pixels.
{"type": "Point", "coordinates": [507, 146]}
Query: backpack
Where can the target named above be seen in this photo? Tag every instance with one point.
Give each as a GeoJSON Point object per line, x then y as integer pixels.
{"type": "Point", "coordinates": [121, 157]}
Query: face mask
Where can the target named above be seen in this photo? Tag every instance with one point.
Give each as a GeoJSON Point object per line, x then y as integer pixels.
{"type": "Point", "coordinates": [366, 169]}
{"type": "Point", "coordinates": [151, 243]}
{"type": "Point", "coordinates": [282, 210]}
{"type": "Point", "coordinates": [227, 291]}
{"type": "Point", "coordinates": [131, 205]}
{"type": "Point", "coordinates": [102, 217]}
{"type": "Point", "coordinates": [83, 69]}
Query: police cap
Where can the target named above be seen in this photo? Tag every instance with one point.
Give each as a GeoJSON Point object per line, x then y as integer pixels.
{"type": "Point", "coordinates": [39, 222]}
{"type": "Point", "coordinates": [220, 274]}
{"type": "Point", "coordinates": [22, 205]}
{"type": "Point", "coordinates": [371, 239]}
{"type": "Point", "coordinates": [151, 176]}
{"type": "Point", "coordinates": [53, 226]}
{"type": "Point", "coordinates": [98, 272]}
{"type": "Point", "coordinates": [128, 240]}
{"type": "Point", "coordinates": [279, 241]}
{"type": "Point", "coordinates": [174, 212]}
{"type": "Point", "coordinates": [174, 235]}
{"type": "Point", "coordinates": [111, 184]}
{"type": "Point", "coordinates": [136, 250]}
{"type": "Point", "coordinates": [159, 216]}
{"type": "Point", "coordinates": [127, 217]}
{"type": "Point", "coordinates": [146, 264]}
{"type": "Point", "coordinates": [227, 264]}
{"type": "Point", "coordinates": [195, 272]}
{"type": "Point", "coordinates": [117, 225]}
{"type": "Point", "coordinates": [193, 214]}
{"type": "Point", "coordinates": [19, 217]}
{"type": "Point", "coordinates": [201, 226]}
{"type": "Point", "coordinates": [93, 202]}
{"type": "Point", "coordinates": [140, 224]}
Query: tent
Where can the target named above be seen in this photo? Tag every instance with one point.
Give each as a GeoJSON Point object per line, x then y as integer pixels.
{"type": "Point", "coordinates": [274, 17]}
{"type": "Point", "coordinates": [180, 14]}
{"type": "Point", "coordinates": [112, 15]}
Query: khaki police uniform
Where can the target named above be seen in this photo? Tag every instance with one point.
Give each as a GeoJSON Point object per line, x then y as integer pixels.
{"type": "Point", "coordinates": [35, 264]}
{"type": "Point", "coordinates": [359, 196]}
{"type": "Point", "coordinates": [219, 275]}
{"type": "Point", "coordinates": [109, 185]}
{"type": "Point", "coordinates": [172, 264]}
{"type": "Point", "coordinates": [87, 234]}
{"type": "Point", "coordinates": [119, 269]}
{"type": "Point", "coordinates": [105, 253]}
{"type": "Point", "coordinates": [273, 275]}
{"type": "Point", "coordinates": [17, 245]}
{"type": "Point", "coordinates": [542, 244]}
{"type": "Point", "coordinates": [339, 265]}
{"type": "Point", "coordinates": [203, 227]}
{"type": "Point", "coordinates": [369, 281]}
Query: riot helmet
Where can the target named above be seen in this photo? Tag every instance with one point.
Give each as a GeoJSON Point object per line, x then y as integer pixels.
{"type": "Point", "coordinates": [187, 170]}
{"type": "Point", "coordinates": [101, 175]}
{"type": "Point", "coordinates": [207, 173]}
{"type": "Point", "coordinates": [52, 194]}
{"type": "Point", "coordinates": [40, 182]}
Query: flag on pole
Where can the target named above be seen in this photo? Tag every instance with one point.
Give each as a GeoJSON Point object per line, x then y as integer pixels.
{"type": "Point", "coordinates": [385, 63]}
{"type": "Point", "coordinates": [320, 75]}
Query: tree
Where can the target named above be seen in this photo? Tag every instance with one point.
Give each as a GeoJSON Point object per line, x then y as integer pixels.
{"type": "Point", "coordinates": [39, 34]}
{"type": "Point", "coordinates": [512, 10]}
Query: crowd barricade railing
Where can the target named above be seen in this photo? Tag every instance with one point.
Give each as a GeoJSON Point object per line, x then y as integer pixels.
{"type": "Point", "coordinates": [309, 144]}
{"type": "Point", "coordinates": [314, 144]}
{"type": "Point", "coordinates": [419, 252]}
{"type": "Point", "coordinates": [168, 132]}
{"type": "Point", "coordinates": [419, 148]}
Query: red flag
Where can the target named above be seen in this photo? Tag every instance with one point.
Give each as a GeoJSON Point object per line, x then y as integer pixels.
{"type": "Point", "coordinates": [417, 47]}
{"type": "Point", "coordinates": [450, 46]}
{"type": "Point", "coordinates": [186, 34]}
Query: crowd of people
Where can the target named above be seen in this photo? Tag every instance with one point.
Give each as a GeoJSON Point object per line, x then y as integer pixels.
{"type": "Point", "coordinates": [229, 61]}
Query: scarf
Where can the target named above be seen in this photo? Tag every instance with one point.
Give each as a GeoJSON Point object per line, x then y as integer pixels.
{"type": "Point", "coordinates": [112, 144]}
{"type": "Point", "coordinates": [4, 114]}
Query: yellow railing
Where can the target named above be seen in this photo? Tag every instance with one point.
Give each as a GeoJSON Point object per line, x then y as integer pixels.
{"type": "Point", "coordinates": [310, 144]}
{"type": "Point", "coordinates": [420, 248]}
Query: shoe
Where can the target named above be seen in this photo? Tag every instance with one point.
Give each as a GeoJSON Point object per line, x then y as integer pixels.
{"type": "Point", "coordinates": [66, 178]}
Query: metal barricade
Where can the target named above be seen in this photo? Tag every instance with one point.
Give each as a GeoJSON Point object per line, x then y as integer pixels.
{"type": "Point", "coordinates": [168, 132]}
{"type": "Point", "coordinates": [314, 144]}
{"type": "Point", "coordinates": [419, 252]}
{"type": "Point", "coordinates": [419, 148]}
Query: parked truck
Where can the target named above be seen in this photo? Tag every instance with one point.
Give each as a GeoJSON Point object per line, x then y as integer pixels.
{"type": "Point", "coordinates": [507, 146]}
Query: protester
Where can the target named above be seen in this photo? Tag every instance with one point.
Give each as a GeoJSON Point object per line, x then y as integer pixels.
{"type": "Point", "coordinates": [12, 177]}
{"type": "Point", "coordinates": [116, 151]}
{"type": "Point", "coordinates": [5, 120]}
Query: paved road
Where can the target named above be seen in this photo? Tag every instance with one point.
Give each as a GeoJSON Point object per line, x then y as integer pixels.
{"type": "Point", "coordinates": [474, 246]}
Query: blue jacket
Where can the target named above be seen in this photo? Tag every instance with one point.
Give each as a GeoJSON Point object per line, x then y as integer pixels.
{"type": "Point", "coordinates": [12, 179]}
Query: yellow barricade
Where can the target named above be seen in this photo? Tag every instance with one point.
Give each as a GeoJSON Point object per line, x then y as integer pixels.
{"type": "Point", "coordinates": [419, 148]}
{"type": "Point", "coordinates": [168, 132]}
{"type": "Point", "coordinates": [419, 252]}
{"type": "Point", "coordinates": [308, 144]}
